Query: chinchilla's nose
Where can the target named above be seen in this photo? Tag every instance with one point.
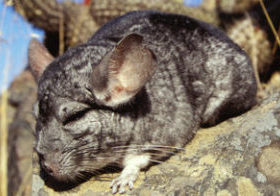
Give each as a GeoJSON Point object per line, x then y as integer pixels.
{"type": "Point", "coordinates": [47, 167]}
{"type": "Point", "coordinates": [51, 168]}
{"type": "Point", "coordinates": [50, 163]}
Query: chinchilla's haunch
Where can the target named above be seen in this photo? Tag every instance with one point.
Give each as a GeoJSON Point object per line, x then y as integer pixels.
{"type": "Point", "coordinates": [134, 93]}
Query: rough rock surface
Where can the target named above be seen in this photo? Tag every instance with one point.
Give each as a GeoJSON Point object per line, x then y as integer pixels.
{"type": "Point", "coordinates": [22, 95]}
{"type": "Point", "coordinates": [237, 157]}
{"type": "Point", "coordinates": [240, 156]}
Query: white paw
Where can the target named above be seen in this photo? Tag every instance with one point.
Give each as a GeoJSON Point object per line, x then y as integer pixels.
{"type": "Point", "coordinates": [119, 184]}
{"type": "Point", "coordinates": [133, 164]}
{"type": "Point", "coordinates": [127, 178]}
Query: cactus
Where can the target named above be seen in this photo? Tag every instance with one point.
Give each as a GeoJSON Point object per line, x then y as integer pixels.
{"type": "Point", "coordinates": [249, 36]}
{"type": "Point", "coordinates": [104, 10]}
{"type": "Point", "coordinates": [236, 6]}
{"type": "Point", "coordinates": [80, 21]}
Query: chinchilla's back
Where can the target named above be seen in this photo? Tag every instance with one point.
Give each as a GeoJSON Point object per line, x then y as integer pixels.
{"type": "Point", "coordinates": [196, 62]}
{"type": "Point", "coordinates": [200, 77]}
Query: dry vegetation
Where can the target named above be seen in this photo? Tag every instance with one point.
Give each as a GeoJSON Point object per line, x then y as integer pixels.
{"type": "Point", "coordinates": [3, 144]}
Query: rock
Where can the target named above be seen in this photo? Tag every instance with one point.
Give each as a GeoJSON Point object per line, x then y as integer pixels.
{"type": "Point", "coordinates": [37, 184]}
{"type": "Point", "coordinates": [246, 187]}
{"type": "Point", "coordinates": [269, 163]}
{"type": "Point", "coordinates": [22, 95]}
{"type": "Point", "coordinates": [237, 157]}
{"type": "Point", "coordinates": [220, 160]}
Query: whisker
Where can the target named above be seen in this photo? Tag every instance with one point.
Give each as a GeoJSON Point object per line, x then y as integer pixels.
{"type": "Point", "coordinates": [69, 166]}
{"type": "Point", "coordinates": [155, 161]}
{"type": "Point", "coordinates": [157, 154]}
{"type": "Point", "coordinates": [65, 150]}
{"type": "Point", "coordinates": [68, 144]}
{"type": "Point", "coordinates": [103, 178]}
{"type": "Point", "coordinates": [80, 176]}
{"type": "Point", "coordinates": [65, 158]}
{"type": "Point", "coordinates": [90, 147]}
{"type": "Point", "coordinates": [151, 149]}
{"type": "Point", "coordinates": [127, 150]}
{"type": "Point", "coordinates": [147, 146]}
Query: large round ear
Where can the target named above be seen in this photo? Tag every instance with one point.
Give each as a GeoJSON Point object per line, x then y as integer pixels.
{"type": "Point", "coordinates": [38, 58]}
{"type": "Point", "coordinates": [123, 71]}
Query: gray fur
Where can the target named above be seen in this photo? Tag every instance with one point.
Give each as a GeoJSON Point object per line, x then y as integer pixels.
{"type": "Point", "coordinates": [201, 77]}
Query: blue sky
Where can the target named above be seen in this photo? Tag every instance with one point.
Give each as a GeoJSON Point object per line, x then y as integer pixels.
{"type": "Point", "coordinates": [193, 2]}
{"type": "Point", "coordinates": [15, 34]}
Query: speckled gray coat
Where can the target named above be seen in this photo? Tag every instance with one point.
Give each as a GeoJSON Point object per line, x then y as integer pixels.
{"type": "Point", "coordinates": [195, 76]}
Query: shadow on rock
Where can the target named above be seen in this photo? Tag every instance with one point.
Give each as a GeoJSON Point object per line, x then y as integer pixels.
{"type": "Point", "coordinates": [61, 186]}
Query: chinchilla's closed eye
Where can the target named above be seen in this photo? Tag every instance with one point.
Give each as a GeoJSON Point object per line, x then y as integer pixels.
{"type": "Point", "coordinates": [74, 116]}
{"type": "Point", "coordinates": [69, 111]}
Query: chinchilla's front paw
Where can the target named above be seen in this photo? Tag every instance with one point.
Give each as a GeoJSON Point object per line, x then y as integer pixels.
{"type": "Point", "coordinates": [132, 164]}
{"type": "Point", "coordinates": [127, 178]}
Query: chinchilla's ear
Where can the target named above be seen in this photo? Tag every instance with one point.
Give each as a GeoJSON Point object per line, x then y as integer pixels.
{"type": "Point", "coordinates": [38, 58]}
{"type": "Point", "coordinates": [123, 71]}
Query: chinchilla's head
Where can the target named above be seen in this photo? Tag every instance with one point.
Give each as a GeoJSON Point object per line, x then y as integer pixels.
{"type": "Point", "coordinates": [77, 126]}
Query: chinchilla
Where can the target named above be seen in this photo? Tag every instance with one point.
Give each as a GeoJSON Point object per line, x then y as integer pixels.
{"type": "Point", "coordinates": [134, 93]}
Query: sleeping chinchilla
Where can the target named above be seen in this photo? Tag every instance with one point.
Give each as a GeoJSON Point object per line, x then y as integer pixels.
{"type": "Point", "coordinates": [134, 93]}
